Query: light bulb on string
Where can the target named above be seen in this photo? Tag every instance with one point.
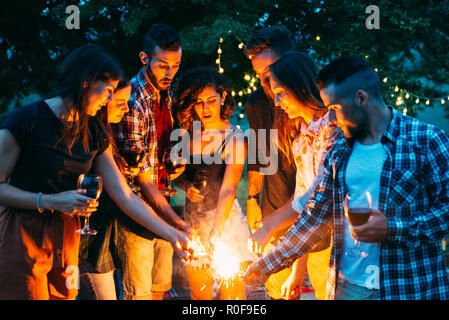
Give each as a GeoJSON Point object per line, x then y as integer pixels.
{"type": "Point", "coordinates": [385, 80]}
{"type": "Point", "coordinates": [427, 102]}
{"type": "Point", "coordinates": [417, 100]}
{"type": "Point", "coordinates": [442, 101]}
{"type": "Point", "coordinates": [241, 45]}
{"type": "Point", "coordinates": [396, 89]}
{"type": "Point", "coordinates": [407, 96]}
{"type": "Point", "coordinates": [221, 70]}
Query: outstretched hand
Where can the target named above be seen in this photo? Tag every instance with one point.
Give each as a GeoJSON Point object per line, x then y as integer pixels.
{"type": "Point", "coordinates": [254, 276]}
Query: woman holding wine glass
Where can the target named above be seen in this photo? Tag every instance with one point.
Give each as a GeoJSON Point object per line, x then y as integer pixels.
{"type": "Point", "coordinates": [44, 148]}
{"type": "Point", "coordinates": [204, 103]}
{"type": "Point", "coordinates": [101, 255]}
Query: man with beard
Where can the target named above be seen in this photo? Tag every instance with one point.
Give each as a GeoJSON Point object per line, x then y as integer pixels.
{"type": "Point", "coordinates": [404, 165]}
{"type": "Point", "coordinates": [273, 190]}
{"type": "Point", "coordinates": [141, 138]}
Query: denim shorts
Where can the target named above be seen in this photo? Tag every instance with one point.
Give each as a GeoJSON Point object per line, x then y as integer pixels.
{"type": "Point", "coordinates": [147, 266]}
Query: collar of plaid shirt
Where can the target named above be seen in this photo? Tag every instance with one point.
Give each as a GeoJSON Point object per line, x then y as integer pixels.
{"type": "Point", "coordinates": [415, 199]}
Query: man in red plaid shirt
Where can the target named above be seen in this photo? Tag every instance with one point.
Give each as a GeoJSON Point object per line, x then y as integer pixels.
{"type": "Point", "coordinates": [145, 130]}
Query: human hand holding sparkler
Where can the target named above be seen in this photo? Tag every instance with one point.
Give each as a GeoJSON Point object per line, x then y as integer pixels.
{"type": "Point", "coordinates": [255, 245]}
{"type": "Point", "coordinates": [254, 275]}
{"type": "Point", "coordinates": [181, 244]}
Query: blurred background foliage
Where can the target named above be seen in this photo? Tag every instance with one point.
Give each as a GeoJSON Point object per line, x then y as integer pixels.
{"type": "Point", "coordinates": [411, 48]}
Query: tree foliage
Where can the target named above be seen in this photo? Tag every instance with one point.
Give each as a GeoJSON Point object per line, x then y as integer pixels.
{"type": "Point", "coordinates": [411, 48]}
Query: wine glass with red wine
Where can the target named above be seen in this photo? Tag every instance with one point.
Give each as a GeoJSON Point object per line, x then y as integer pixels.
{"type": "Point", "coordinates": [133, 159]}
{"type": "Point", "coordinates": [172, 161]}
{"type": "Point", "coordinates": [200, 182]}
{"type": "Point", "coordinates": [93, 185]}
{"type": "Point", "coordinates": [358, 211]}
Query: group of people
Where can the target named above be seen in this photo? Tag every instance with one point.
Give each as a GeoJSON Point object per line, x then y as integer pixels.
{"type": "Point", "coordinates": [337, 141]}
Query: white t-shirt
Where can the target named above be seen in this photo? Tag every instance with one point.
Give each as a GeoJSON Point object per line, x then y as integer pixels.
{"type": "Point", "coordinates": [362, 175]}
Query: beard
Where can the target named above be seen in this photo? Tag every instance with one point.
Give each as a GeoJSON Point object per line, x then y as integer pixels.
{"type": "Point", "coordinates": [265, 84]}
{"type": "Point", "coordinates": [360, 118]}
{"type": "Point", "coordinates": [154, 81]}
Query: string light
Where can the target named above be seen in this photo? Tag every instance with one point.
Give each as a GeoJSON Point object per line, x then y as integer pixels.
{"type": "Point", "coordinates": [402, 93]}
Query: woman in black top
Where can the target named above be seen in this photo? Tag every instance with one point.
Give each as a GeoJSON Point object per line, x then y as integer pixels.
{"type": "Point", "coordinates": [44, 147]}
{"type": "Point", "coordinates": [204, 104]}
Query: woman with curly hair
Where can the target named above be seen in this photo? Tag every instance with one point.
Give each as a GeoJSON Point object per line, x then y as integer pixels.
{"type": "Point", "coordinates": [204, 104]}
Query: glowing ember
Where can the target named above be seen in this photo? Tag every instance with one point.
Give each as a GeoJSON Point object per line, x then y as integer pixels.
{"type": "Point", "coordinates": [226, 265]}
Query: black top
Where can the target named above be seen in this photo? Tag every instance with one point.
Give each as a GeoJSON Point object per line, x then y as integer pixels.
{"type": "Point", "coordinates": [279, 187]}
{"type": "Point", "coordinates": [45, 163]}
{"type": "Point", "coordinates": [102, 251]}
{"type": "Point", "coordinates": [215, 173]}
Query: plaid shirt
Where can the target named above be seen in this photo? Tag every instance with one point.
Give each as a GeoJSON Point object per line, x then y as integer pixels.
{"type": "Point", "coordinates": [137, 129]}
{"type": "Point", "coordinates": [414, 196]}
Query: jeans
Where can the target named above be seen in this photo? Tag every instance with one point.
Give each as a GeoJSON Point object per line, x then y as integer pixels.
{"type": "Point", "coordinates": [96, 286]}
{"type": "Point", "coordinates": [349, 291]}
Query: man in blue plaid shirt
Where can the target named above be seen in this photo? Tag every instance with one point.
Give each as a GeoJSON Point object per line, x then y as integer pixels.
{"type": "Point", "coordinates": [404, 164]}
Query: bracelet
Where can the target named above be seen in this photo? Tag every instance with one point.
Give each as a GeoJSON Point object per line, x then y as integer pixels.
{"type": "Point", "coordinates": [51, 203]}
{"type": "Point", "coordinates": [38, 202]}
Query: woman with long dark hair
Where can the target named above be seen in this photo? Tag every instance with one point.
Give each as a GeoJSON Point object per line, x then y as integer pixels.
{"type": "Point", "coordinates": [310, 136]}
{"type": "Point", "coordinates": [217, 152]}
{"type": "Point", "coordinates": [44, 148]}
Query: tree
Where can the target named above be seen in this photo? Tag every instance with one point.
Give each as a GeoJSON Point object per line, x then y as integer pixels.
{"type": "Point", "coordinates": [411, 48]}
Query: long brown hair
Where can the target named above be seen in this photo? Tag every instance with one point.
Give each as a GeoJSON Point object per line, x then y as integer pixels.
{"type": "Point", "coordinates": [82, 67]}
{"type": "Point", "coordinates": [297, 73]}
{"type": "Point", "coordinates": [103, 115]}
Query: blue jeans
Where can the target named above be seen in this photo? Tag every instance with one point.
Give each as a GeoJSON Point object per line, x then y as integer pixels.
{"type": "Point", "coordinates": [95, 286]}
{"type": "Point", "coordinates": [350, 291]}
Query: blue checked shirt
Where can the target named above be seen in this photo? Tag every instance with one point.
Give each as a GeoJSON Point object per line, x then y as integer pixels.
{"type": "Point", "coordinates": [414, 196]}
{"type": "Point", "coordinates": [137, 129]}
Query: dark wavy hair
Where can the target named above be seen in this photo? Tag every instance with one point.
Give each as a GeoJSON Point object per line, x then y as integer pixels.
{"type": "Point", "coordinates": [84, 65]}
{"type": "Point", "coordinates": [276, 38]}
{"type": "Point", "coordinates": [162, 35]}
{"type": "Point", "coordinates": [190, 85]}
{"type": "Point", "coordinates": [297, 73]}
